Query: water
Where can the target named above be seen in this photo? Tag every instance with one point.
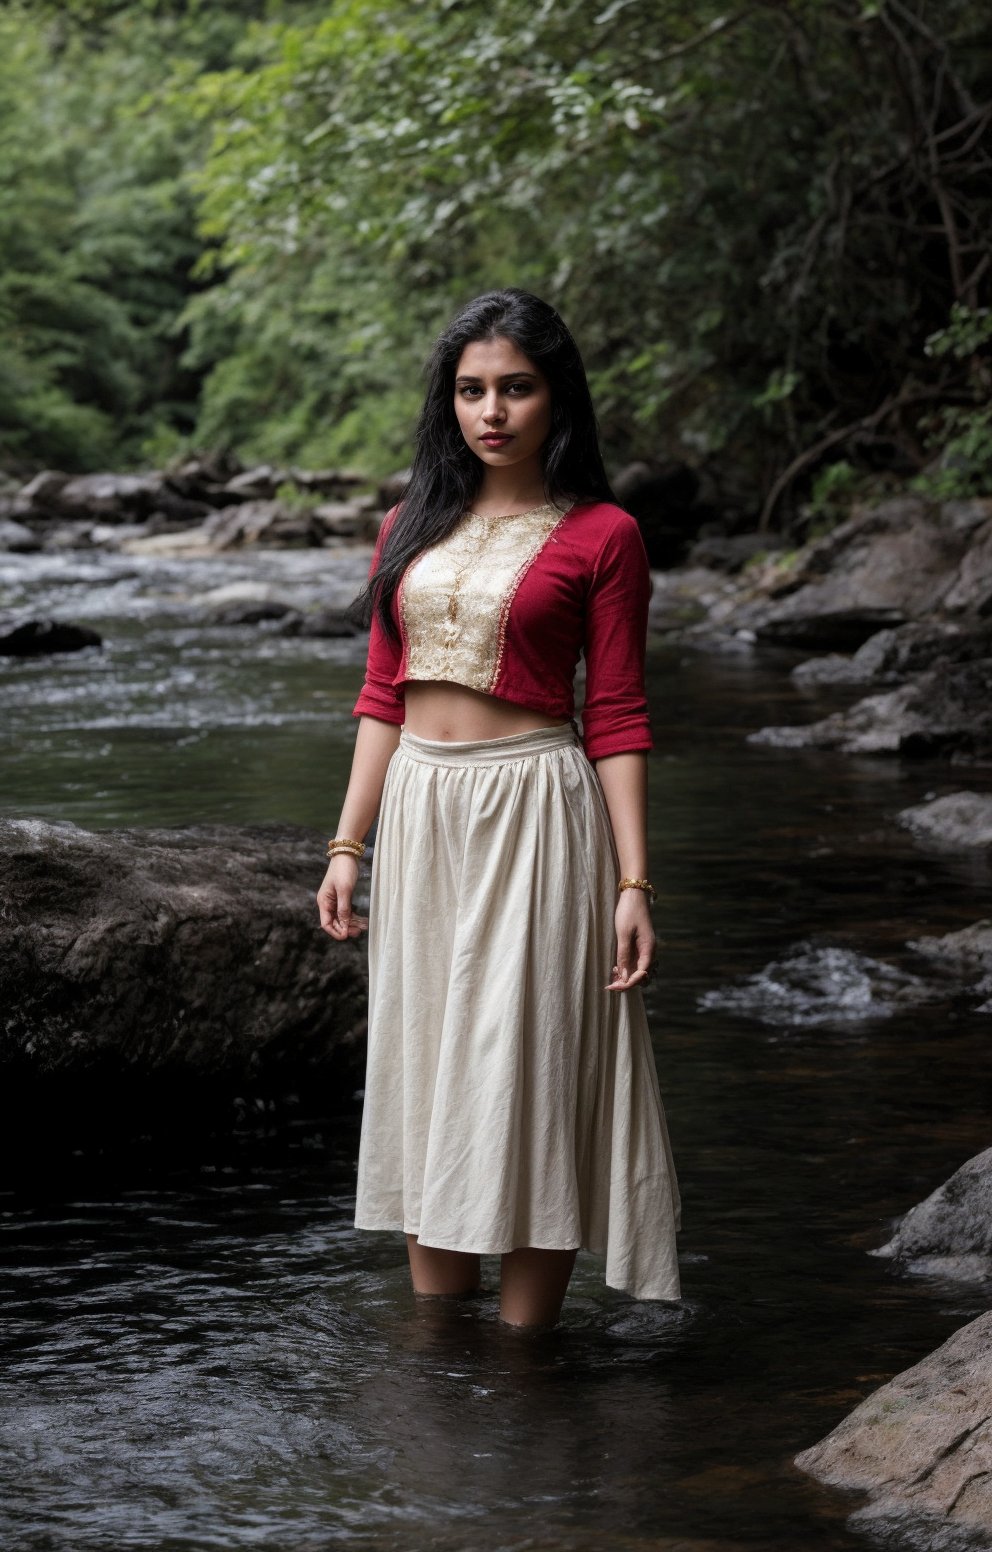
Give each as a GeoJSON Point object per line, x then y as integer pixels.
{"type": "Point", "coordinates": [201, 1352]}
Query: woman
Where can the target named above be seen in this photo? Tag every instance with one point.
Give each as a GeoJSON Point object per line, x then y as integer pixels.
{"type": "Point", "coordinates": [511, 1103]}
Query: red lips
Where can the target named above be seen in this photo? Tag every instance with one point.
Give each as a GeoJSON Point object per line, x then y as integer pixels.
{"type": "Point", "coordinates": [495, 439]}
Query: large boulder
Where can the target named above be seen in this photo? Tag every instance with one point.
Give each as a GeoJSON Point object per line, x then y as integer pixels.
{"type": "Point", "coordinates": [950, 1232]}
{"type": "Point", "coordinates": [947, 711]}
{"type": "Point", "coordinates": [921, 1445]}
{"type": "Point", "coordinates": [964, 956]}
{"type": "Point", "coordinates": [262, 522]}
{"type": "Point", "coordinates": [892, 656]}
{"type": "Point", "coordinates": [36, 638]}
{"type": "Point", "coordinates": [16, 538]}
{"type": "Point", "coordinates": [144, 952]}
{"type": "Point", "coordinates": [960, 821]}
{"type": "Point", "coordinates": [904, 559]}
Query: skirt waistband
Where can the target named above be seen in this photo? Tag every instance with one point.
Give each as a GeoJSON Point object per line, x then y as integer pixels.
{"type": "Point", "coordinates": [488, 751]}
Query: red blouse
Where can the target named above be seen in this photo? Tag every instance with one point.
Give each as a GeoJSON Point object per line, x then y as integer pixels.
{"type": "Point", "coordinates": [506, 605]}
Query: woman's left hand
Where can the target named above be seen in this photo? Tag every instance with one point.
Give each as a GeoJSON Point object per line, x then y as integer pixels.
{"type": "Point", "coordinates": [635, 940]}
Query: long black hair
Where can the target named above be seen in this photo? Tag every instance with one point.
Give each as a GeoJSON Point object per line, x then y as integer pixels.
{"type": "Point", "coordinates": [446, 474]}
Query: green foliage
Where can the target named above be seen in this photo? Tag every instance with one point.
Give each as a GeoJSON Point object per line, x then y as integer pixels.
{"type": "Point", "coordinates": [959, 436]}
{"type": "Point", "coordinates": [241, 225]}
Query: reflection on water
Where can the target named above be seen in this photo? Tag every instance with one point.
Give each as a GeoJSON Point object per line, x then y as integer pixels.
{"type": "Point", "coordinates": [200, 1350]}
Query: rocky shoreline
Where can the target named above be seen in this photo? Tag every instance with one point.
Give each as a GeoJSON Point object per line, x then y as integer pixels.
{"type": "Point", "coordinates": [893, 606]}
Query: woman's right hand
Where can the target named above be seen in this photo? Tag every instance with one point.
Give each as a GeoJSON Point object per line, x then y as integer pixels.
{"type": "Point", "coordinates": [334, 899]}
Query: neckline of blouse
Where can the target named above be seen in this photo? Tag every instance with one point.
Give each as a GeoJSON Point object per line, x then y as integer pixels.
{"type": "Point", "coordinates": [494, 517]}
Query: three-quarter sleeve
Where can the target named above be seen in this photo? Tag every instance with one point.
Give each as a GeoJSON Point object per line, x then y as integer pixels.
{"type": "Point", "coordinates": [615, 715]}
{"type": "Point", "coordinates": [379, 696]}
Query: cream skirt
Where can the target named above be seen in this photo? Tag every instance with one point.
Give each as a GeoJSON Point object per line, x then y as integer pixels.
{"type": "Point", "coordinates": [509, 1100]}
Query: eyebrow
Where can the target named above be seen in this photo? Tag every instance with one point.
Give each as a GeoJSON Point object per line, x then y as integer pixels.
{"type": "Point", "coordinates": [506, 377]}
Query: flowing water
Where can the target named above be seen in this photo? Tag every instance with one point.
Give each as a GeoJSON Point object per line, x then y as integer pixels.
{"type": "Point", "coordinates": [199, 1349]}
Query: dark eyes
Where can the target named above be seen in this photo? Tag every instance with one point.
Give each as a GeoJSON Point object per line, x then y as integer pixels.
{"type": "Point", "coordinates": [518, 390]}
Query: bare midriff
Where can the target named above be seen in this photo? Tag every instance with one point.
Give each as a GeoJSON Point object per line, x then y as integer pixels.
{"type": "Point", "coordinates": [454, 713]}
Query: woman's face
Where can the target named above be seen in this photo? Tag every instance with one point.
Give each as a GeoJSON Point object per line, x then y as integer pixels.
{"type": "Point", "coordinates": [503, 403]}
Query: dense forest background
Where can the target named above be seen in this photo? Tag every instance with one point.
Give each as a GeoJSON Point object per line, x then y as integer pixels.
{"type": "Point", "coordinates": [238, 226]}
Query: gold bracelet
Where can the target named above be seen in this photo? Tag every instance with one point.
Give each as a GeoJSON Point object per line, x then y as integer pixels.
{"type": "Point", "coordinates": [639, 883]}
{"type": "Point", "coordinates": [341, 843]}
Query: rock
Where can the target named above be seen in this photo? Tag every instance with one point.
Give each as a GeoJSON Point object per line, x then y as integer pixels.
{"type": "Point", "coordinates": [111, 536]}
{"type": "Point", "coordinates": [345, 519]}
{"type": "Point", "coordinates": [320, 623]}
{"type": "Point", "coordinates": [950, 1231]}
{"type": "Point", "coordinates": [972, 589]}
{"type": "Point", "coordinates": [257, 484]}
{"type": "Point", "coordinates": [904, 559]}
{"type": "Point", "coordinates": [261, 522]}
{"type": "Point", "coordinates": [921, 1445]}
{"type": "Point", "coordinates": [238, 593]}
{"type": "Point", "coordinates": [890, 656]}
{"type": "Point", "coordinates": [961, 821]}
{"type": "Point", "coordinates": [339, 483]}
{"type": "Point", "coordinates": [683, 596]}
{"type": "Point", "coordinates": [731, 552]}
{"type": "Point", "coordinates": [204, 480]}
{"type": "Point", "coordinates": [843, 628]}
{"type": "Point", "coordinates": [17, 539]}
{"type": "Point", "coordinates": [818, 984]}
{"type": "Point", "coordinates": [112, 497]}
{"type": "Point", "coordinates": [947, 711]}
{"type": "Point", "coordinates": [42, 492]}
{"type": "Point", "coordinates": [186, 542]}
{"type": "Point", "coordinates": [965, 955]}
{"type": "Point", "coordinates": [251, 613]}
{"type": "Point", "coordinates": [35, 638]}
{"type": "Point", "coordinates": [169, 951]}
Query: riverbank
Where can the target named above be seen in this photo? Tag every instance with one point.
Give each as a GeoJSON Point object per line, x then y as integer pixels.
{"type": "Point", "coordinates": [819, 1022]}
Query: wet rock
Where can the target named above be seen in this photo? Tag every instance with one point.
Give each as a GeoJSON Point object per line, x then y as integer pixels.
{"type": "Point", "coordinates": [684, 597]}
{"type": "Point", "coordinates": [731, 552]}
{"type": "Point", "coordinates": [183, 542]}
{"type": "Point", "coordinates": [318, 623]}
{"type": "Point", "coordinates": [965, 956]}
{"type": "Point", "coordinates": [947, 711]}
{"type": "Point", "coordinates": [16, 538]}
{"type": "Point", "coordinates": [818, 984]}
{"type": "Point", "coordinates": [949, 1233]}
{"type": "Point", "coordinates": [257, 613]}
{"type": "Point", "coordinates": [205, 477]}
{"type": "Point", "coordinates": [261, 522]}
{"type": "Point", "coordinates": [921, 1445]}
{"type": "Point", "coordinates": [41, 493]}
{"type": "Point", "coordinates": [144, 951]}
{"type": "Point", "coordinates": [112, 497]}
{"type": "Point", "coordinates": [346, 519]}
{"type": "Point", "coordinates": [891, 656]}
{"type": "Point", "coordinates": [905, 557]}
{"type": "Point", "coordinates": [961, 821]}
{"type": "Point", "coordinates": [842, 628]}
{"type": "Point", "coordinates": [35, 638]}
{"type": "Point", "coordinates": [264, 481]}
{"type": "Point", "coordinates": [244, 592]}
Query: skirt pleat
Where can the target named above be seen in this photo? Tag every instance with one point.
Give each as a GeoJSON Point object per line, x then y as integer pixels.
{"type": "Point", "coordinates": [510, 1100]}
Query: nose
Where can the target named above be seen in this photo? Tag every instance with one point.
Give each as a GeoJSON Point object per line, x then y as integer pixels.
{"type": "Point", "coordinates": [492, 410]}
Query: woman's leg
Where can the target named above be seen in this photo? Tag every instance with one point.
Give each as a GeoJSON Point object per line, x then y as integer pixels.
{"type": "Point", "coordinates": [446, 1272]}
{"type": "Point", "coordinates": [532, 1285]}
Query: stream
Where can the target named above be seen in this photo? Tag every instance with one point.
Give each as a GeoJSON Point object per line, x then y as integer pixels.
{"type": "Point", "coordinates": [200, 1352]}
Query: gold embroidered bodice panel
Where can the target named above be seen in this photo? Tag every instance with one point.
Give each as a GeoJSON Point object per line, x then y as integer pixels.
{"type": "Point", "coordinates": [456, 596]}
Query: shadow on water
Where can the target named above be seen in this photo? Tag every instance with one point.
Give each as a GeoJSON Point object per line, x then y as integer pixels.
{"type": "Point", "coordinates": [201, 1352]}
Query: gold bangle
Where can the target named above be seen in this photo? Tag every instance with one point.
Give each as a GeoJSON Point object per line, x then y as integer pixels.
{"type": "Point", "coordinates": [341, 843]}
{"type": "Point", "coordinates": [639, 883]}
